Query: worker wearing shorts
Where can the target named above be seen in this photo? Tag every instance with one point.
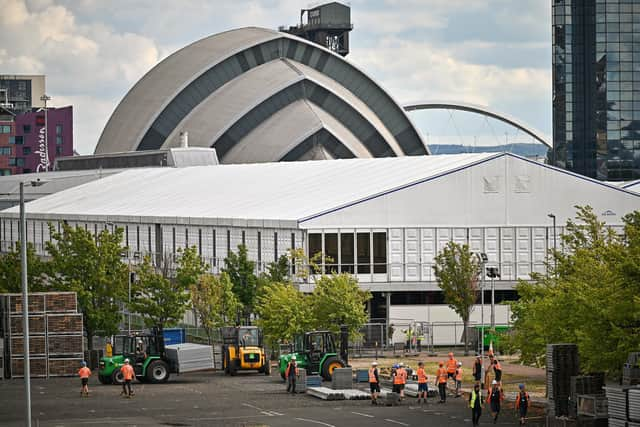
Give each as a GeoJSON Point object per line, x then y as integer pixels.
{"type": "Point", "coordinates": [84, 374]}
{"type": "Point", "coordinates": [374, 383]}
{"type": "Point", "coordinates": [422, 383]}
{"type": "Point", "coordinates": [127, 374]}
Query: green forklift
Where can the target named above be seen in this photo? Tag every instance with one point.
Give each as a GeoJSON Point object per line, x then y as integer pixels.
{"type": "Point", "coordinates": [146, 354]}
{"type": "Point", "coordinates": [317, 353]}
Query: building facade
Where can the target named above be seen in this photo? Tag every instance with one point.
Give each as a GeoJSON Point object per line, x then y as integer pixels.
{"type": "Point", "coordinates": [596, 87]}
{"type": "Point", "coordinates": [23, 146]}
{"type": "Point", "coordinates": [21, 92]}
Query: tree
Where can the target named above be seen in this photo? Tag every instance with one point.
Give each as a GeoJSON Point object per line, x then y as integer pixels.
{"type": "Point", "coordinates": [338, 300]}
{"type": "Point", "coordinates": [160, 298]}
{"type": "Point", "coordinates": [90, 266]}
{"type": "Point", "coordinates": [214, 302]}
{"type": "Point", "coordinates": [456, 270]}
{"type": "Point", "coordinates": [590, 296]}
{"type": "Point", "coordinates": [283, 312]}
{"type": "Point", "coordinates": [10, 271]}
{"type": "Point", "coordinates": [241, 274]}
{"type": "Point", "coordinates": [278, 272]}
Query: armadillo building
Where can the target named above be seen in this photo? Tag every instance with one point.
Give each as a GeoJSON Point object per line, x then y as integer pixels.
{"type": "Point", "coordinates": [259, 95]}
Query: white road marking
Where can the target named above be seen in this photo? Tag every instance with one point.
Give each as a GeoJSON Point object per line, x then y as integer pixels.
{"type": "Point", "coordinates": [396, 422]}
{"type": "Point", "coordinates": [315, 422]}
{"type": "Point", "coordinates": [364, 415]}
{"type": "Point", "coordinates": [254, 407]}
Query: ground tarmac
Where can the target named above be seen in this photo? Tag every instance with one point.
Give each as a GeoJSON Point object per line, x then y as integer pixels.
{"type": "Point", "coordinates": [212, 399]}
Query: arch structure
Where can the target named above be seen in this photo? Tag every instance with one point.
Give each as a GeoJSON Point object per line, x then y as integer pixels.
{"type": "Point", "coordinates": [480, 109]}
{"type": "Point", "coordinates": [258, 95]}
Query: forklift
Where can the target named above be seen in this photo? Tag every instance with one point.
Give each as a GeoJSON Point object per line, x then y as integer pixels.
{"type": "Point", "coordinates": [243, 350]}
{"type": "Point", "coordinates": [316, 352]}
{"type": "Point", "coordinates": [146, 354]}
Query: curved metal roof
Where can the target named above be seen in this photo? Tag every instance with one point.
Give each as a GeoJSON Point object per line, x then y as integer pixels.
{"type": "Point", "coordinates": [479, 109]}
{"type": "Point", "coordinates": [224, 87]}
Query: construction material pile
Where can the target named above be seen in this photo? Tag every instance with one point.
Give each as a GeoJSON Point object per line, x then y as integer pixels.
{"type": "Point", "coordinates": [624, 405]}
{"type": "Point", "coordinates": [631, 370]}
{"type": "Point", "coordinates": [55, 334]}
{"type": "Point", "coordinates": [342, 378]}
{"type": "Point", "coordinates": [562, 364]}
{"type": "Point", "coordinates": [190, 357]}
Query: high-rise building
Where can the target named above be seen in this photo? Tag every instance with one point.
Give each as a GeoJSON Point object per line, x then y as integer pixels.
{"type": "Point", "coordinates": [596, 87]}
{"type": "Point", "coordinates": [23, 145]}
{"type": "Point", "coordinates": [21, 92]}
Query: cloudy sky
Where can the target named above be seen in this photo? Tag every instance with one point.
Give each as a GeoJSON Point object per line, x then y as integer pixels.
{"type": "Point", "coordinates": [490, 52]}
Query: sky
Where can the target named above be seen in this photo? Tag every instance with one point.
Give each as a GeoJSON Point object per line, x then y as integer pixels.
{"type": "Point", "coordinates": [489, 52]}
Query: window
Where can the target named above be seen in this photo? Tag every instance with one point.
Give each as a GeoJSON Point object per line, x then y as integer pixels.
{"type": "Point", "coordinates": [25, 150]}
{"type": "Point", "coordinates": [5, 172]}
{"type": "Point", "coordinates": [186, 237]}
{"type": "Point", "coordinates": [12, 161]}
{"type": "Point", "coordinates": [26, 170]}
{"type": "Point", "coordinates": [346, 253]}
{"type": "Point", "coordinates": [228, 242]}
{"type": "Point", "coordinates": [26, 129]}
{"type": "Point", "coordinates": [5, 129]}
{"type": "Point", "coordinates": [58, 140]}
{"type": "Point", "coordinates": [243, 238]}
{"type": "Point", "coordinates": [380, 252]}
{"type": "Point", "coordinates": [200, 241]}
{"type": "Point", "coordinates": [5, 151]}
{"type": "Point", "coordinates": [58, 150]}
{"type": "Point", "coordinates": [58, 129]}
{"type": "Point", "coordinates": [330, 253]}
{"type": "Point", "coordinates": [213, 232]}
{"type": "Point", "coordinates": [364, 253]}
{"type": "Point", "coordinates": [259, 249]}
{"type": "Point", "coordinates": [315, 247]}
{"type": "Point", "coordinates": [275, 247]}
{"type": "Point", "coordinates": [19, 140]}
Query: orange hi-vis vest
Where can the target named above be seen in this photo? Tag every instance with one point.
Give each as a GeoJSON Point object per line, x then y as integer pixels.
{"type": "Point", "coordinates": [372, 376]}
{"type": "Point", "coordinates": [84, 372]}
{"type": "Point", "coordinates": [397, 378]}
{"type": "Point", "coordinates": [127, 372]}
{"type": "Point", "coordinates": [497, 366]}
{"type": "Point", "coordinates": [422, 376]}
{"type": "Point", "coordinates": [442, 375]}
{"type": "Point", "coordinates": [452, 364]}
{"type": "Point", "coordinates": [459, 374]}
{"type": "Point", "coordinates": [286, 373]}
{"type": "Point", "coordinates": [403, 375]}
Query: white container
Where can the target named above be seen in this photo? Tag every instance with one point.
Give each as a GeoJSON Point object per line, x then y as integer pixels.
{"type": "Point", "coordinates": [190, 357]}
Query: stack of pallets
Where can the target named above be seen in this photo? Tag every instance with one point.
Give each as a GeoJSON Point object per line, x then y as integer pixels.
{"type": "Point", "coordinates": [631, 370]}
{"type": "Point", "coordinates": [562, 364]}
{"type": "Point", "coordinates": [55, 334]}
{"type": "Point", "coordinates": [342, 379]}
{"type": "Point", "coordinates": [624, 405]}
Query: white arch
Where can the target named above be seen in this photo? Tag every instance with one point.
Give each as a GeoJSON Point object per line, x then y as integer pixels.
{"type": "Point", "coordinates": [479, 109]}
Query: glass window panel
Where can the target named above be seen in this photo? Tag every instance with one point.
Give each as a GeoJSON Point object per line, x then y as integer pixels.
{"type": "Point", "coordinates": [380, 253]}
{"type": "Point", "coordinates": [315, 246]}
{"type": "Point", "coordinates": [364, 253]}
{"type": "Point", "coordinates": [331, 253]}
{"type": "Point", "coordinates": [346, 253]}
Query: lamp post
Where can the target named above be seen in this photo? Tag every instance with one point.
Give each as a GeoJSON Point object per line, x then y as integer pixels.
{"type": "Point", "coordinates": [493, 272]}
{"type": "Point", "coordinates": [46, 98]}
{"type": "Point", "coordinates": [25, 301]}
{"type": "Point", "coordinates": [483, 258]}
{"type": "Point", "coordinates": [555, 247]}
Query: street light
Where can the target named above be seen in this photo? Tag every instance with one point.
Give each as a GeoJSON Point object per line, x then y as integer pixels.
{"type": "Point", "coordinates": [555, 247]}
{"type": "Point", "coordinates": [25, 300]}
{"type": "Point", "coordinates": [46, 98]}
{"type": "Point", "coordinates": [483, 259]}
{"type": "Point", "coordinates": [493, 272]}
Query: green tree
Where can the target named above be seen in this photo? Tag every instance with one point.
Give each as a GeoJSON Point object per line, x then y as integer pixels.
{"type": "Point", "coordinates": [241, 273]}
{"type": "Point", "coordinates": [278, 272]}
{"type": "Point", "coordinates": [37, 269]}
{"type": "Point", "coordinates": [590, 296]}
{"type": "Point", "coordinates": [90, 266]}
{"type": "Point", "coordinates": [338, 300]}
{"type": "Point", "coordinates": [214, 302]}
{"type": "Point", "coordinates": [283, 312]}
{"type": "Point", "coordinates": [456, 270]}
{"type": "Point", "coordinates": [160, 298]}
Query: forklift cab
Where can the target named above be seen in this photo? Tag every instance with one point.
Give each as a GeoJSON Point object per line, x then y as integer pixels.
{"type": "Point", "coordinates": [137, 348]}
{"type": "Point", "coordinates": [315, 345]}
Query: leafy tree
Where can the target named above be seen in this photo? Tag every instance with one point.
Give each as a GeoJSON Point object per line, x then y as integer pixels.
{"type": "Point", "coordinates": [278, 272]}
{"type": "Point", "coordinates": [90, 266]}
{"type": "Point", "coordinates": [456, 270]}
{"type": "Point", "coordinates": [283, 312]}
{"type": "Point", "coordinates": [590, 297]}
{"type": "Point", "coordinates": [338, 300]}
{"type": "Point", "coordinates": [214, 302]}
{"type": "Point", "coordinates": [10, 271]}
{"type": "Point", "coordinates": [241, 273]}
{"type": "Point", "coordinates": [160, 298]}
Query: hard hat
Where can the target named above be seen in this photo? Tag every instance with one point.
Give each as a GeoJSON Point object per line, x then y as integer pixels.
{"type": "Point", "coordinates": [521, 386]}
{"type": "Point", "coordinates": [459, 363]}
{"type": "Point", "coordinates": [494, 382]}
{"type": "Point", "coordinates": [126, 360]}
{"type": "Point", "coordinates": [396, 366]}
{"type": "Point", "coordinates": [401, 364]}
{"type": "Point", "coordinates": [83, 363]}
{"type": "Point", "coordinates": [293, 357]}
{"type": "Point", "coordinates": [374, 363]}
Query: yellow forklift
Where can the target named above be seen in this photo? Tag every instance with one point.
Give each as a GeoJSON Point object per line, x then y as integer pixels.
{"type": "Point", "coordinates": [243, 350]}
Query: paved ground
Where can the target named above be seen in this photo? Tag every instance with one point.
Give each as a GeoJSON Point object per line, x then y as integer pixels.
{"type": "Point", "coordinates": [211, 399]}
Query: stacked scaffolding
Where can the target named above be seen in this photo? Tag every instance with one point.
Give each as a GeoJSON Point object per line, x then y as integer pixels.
{"type": "Point", "coordinates": [562, 364]}
{"type": "Point", "coordinates": [55, 334]}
